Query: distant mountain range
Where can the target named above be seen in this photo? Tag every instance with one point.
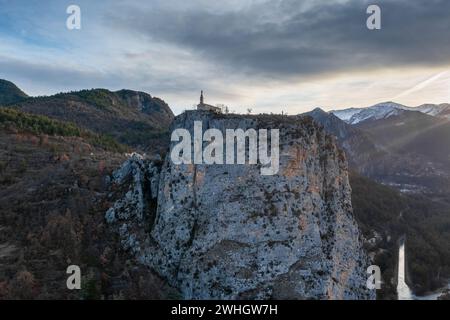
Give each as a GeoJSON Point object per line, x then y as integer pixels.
{"type": "Point", "coordinates": [388, 109]}
{"type": "Point", "coordinates": [393, 144]}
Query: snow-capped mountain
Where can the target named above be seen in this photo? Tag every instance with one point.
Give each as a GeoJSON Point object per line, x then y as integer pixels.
{"type": "Point", "coordinates": [436, 110]}
{"type": "Point", "coordinates": [376, 112]}
{"type": "Point", "coordinates": [408, 151]}
{"type": "Point", "coordinates": [346, 114]}
{"type": "Point", "coordinates": [387, 109]}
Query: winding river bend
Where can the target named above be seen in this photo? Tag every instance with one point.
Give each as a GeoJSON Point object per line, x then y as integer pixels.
{"type": "Point", "coordinates": [403, 291]}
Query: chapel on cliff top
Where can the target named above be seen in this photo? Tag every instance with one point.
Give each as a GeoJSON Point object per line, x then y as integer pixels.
{"type": "Point", "coordinates": [207, 107]}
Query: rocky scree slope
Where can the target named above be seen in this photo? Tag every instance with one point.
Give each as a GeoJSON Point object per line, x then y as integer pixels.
{"type": "Point", "coordinates": [227, 232]}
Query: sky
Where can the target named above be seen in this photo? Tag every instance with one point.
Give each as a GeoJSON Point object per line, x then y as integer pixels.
{"type": "Point", "coordinates": [267, 55]}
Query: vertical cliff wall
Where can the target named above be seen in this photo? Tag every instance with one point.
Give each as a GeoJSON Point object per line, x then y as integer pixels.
{"type": "Point", "coordinates": [228, 232]}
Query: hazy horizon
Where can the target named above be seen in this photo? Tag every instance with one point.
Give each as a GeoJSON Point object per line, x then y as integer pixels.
{"type": "Point", "coordinates": [238, 110]}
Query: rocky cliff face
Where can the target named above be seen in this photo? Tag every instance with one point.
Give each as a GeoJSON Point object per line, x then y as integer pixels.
{"type": "Point", "coordinates": [228, 232]}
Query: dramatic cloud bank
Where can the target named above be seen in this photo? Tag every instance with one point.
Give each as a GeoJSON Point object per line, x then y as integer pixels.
{"type": "Point", "coordinates": [272, 55]}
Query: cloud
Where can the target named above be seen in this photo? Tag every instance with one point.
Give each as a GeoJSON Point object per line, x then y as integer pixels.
{"type": "Point", "coordinates": [284, 38]}
{"type": "Point", "coordinates": [246, 53]}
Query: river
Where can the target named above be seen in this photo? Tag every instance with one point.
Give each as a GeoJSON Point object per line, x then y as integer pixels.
{"type": "Point", "coordinates": [403, 291]}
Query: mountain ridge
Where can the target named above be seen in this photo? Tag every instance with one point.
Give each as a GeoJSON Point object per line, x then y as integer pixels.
{"type": "Point", "coordinates": [10, 93]}
{"type": "Point", "coordinates": [387, 109]}
{"type": "Point", "coordinates": [131, 117]}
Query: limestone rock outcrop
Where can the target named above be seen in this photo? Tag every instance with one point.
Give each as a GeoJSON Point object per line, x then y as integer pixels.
{"type": "Point", "coordinates": [228, 232]}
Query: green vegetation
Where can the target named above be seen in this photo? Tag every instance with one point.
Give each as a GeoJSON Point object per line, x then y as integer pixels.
{"type": "Point", "coordinates": [425, 222]}
{"type": "Point", "coordinates": [38, 125]}
{"type": "Point", "coordinates": [427, 243]}
{"type": "Point", "coordinates": [9, 93]}
{"type": "Point", "coordinates": [132, 118]}
{"type": "Point", "coordinates": [376, 207]}
{"type": "Point", "coordinates": [141, 134]}
{"type": "Point", "coordinates": [98, 97]}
